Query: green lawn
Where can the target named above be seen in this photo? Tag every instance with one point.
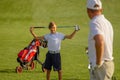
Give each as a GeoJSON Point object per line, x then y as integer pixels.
{"type": "Point", "coordinates": [17, 16]}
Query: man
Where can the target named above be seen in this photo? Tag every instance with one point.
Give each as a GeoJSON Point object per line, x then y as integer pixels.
{"type": "Point", "coordinates": [53, 57]}
{"type": "Point", "coordinates": [100, 48]}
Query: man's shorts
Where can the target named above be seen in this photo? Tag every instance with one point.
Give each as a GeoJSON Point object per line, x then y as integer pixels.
{"type": "Point", "coordinates": [53, 60]}
{"type": "Point", "coordinates": [105, 72]}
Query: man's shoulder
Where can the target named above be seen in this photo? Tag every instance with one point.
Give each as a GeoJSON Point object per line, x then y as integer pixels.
{"type": "Point", "coordinates": [98, 18]}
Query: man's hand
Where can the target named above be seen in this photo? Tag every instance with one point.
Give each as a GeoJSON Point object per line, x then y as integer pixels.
{"type": "Point", "coordinates": [96, 66]}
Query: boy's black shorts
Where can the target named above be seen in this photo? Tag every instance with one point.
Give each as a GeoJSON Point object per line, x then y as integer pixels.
{"type": "Point", "coordinates": [53, 60]}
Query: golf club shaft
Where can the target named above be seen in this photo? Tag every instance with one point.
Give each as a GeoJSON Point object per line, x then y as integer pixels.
{"type": "Point", "coordinates": [39, 27]}
{"type": "Point", "coordinates": [65, 26]}
{"type": "Point", "coordinates": [57, 27]}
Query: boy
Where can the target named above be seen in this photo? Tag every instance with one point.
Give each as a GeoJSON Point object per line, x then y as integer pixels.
{"type": "Point", "coordinates": [53, 57]}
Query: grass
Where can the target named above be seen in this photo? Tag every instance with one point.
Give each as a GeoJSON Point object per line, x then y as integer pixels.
{"type": "Point", "coordinates": [17, 16]}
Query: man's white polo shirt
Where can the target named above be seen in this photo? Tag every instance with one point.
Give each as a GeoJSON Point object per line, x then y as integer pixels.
{"type": "Point", "coordinates": [100, 25]}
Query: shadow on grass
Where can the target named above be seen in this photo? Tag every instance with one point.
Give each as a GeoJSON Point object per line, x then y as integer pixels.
{"type": "Point", "coordinates": [72, 79]}
{"type": "Point", "coordinates": [24, 71]}
{"type": "Point", "coordinates": [68, 79]}
{"type": "Point", "coordinates": [7, 71]}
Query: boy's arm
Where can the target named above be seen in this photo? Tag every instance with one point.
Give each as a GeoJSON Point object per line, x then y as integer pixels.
{"type": "Point", "coordinates": [31, 30]}
{"type": "Point", "coordinates": [73, 33]}
{"type": "Point", "coordinates": [34, 35]}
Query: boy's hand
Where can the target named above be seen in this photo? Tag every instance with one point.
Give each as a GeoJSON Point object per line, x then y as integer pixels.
{"type": "Point", "coordinates": [31, 29]}
{"type": "Point", "coordinates": [77, 28]}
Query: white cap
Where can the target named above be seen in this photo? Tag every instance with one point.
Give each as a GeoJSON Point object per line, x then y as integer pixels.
{"type": "Point", "coordinates": [94, 4]}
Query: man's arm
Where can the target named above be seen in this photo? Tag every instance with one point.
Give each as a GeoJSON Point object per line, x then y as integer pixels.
{"type": "Point", "coordinates": [99, 45]}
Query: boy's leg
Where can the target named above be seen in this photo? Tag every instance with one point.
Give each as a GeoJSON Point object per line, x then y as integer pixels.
{"type": "Point", "coordinates": [48, 64]}
{"type": "Point", "coordinates": [57, 65]}
{"type": "Point", "coordinates": [60, 74]}
{"type": "Point", "coordinates": [48, 75]}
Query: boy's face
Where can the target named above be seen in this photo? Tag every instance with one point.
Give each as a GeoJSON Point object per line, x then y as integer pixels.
{"type": "Point", "coordinates": [53, 29]}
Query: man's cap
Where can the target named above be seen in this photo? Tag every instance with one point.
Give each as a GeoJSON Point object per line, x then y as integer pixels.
{"type": "Point", "coordinates": [94, 4]}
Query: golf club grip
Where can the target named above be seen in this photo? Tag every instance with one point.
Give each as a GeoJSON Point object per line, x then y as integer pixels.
{"type": "Point", "coordinates": [39, 27]}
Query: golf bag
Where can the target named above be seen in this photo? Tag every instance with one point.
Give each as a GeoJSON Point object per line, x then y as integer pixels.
{"type": "Point", "coordinates": [30, 53]}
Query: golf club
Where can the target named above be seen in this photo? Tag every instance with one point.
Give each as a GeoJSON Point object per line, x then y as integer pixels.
{"type": "Point", "coordinates": [58, 26]}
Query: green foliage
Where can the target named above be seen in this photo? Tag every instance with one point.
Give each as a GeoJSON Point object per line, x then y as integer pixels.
{"type": "Point", "coordinates": [17, 16]}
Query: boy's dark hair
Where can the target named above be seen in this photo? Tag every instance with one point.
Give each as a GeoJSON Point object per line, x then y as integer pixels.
{"type": "Point", "coordinates": [51, 24]}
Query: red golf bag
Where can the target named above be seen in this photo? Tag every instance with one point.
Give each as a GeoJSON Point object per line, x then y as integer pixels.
{"type": "Point", "coordinates": [29, 54]}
